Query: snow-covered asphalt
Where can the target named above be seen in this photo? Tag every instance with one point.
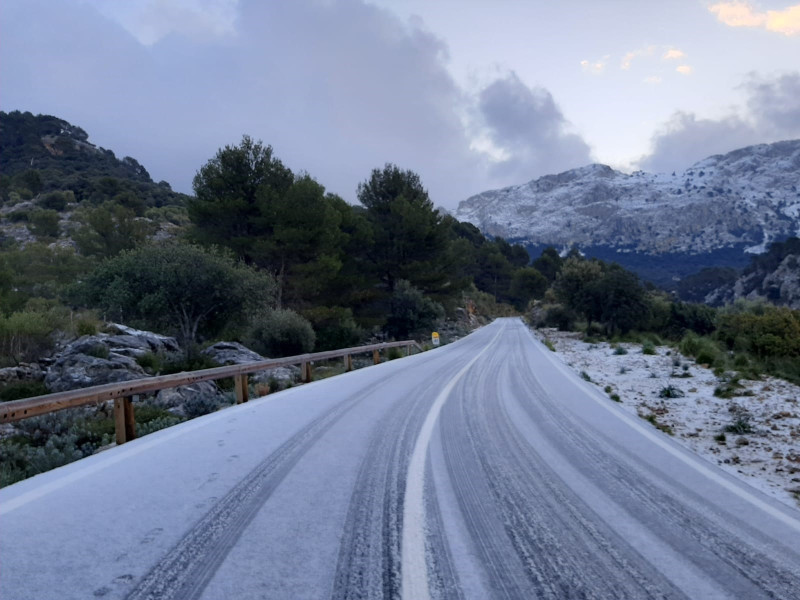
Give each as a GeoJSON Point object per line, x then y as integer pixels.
{"type": "Point", "coordinates": [483, 469]}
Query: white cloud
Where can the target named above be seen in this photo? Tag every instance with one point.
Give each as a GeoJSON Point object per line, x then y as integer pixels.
{"type": "Point", "coordinates": [684, 69]}
{"type": "Point", "coordinates": [653, 80]}
{"type": "Point", "coordinates": [629, 57]}
{"type": "Point", "coordinates": [742, 14]}
{"type": "Point", "coordinates": [674, 54]}
{"type": "Point", "coordinates": [595, 67]}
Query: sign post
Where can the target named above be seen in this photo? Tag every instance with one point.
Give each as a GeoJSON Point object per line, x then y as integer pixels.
{"type": "Point", "coordinates": [435, 338]}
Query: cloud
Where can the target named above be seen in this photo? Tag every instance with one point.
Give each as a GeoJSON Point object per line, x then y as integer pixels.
{"type": "Point", "coordinates": [775, 104]}
{"type": "Point", "coordinates": [742, 14]}
{"type": "Point", "coordinates": [527, 127]}
{"type": "Point", "coordinates": [595, 67]}
{"type": "Point", "coordinates": [673, 54]}
{"type": "Point", "coordinates": [684, 69]}
{"type": "Point", "coordinates": [362, 89]}
{"type": "Point", "coordinates": [653, 79]}
{"type": "Point", "coordinates": [629, 57]}
{"type": "Point", "coordinates": [771, 113]}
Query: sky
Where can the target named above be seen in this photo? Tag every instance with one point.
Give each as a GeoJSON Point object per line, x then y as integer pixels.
{"type": "Point", "coordinates": [470, 94]}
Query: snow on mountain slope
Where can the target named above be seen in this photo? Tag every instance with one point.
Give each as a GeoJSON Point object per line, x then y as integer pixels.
{"type": "Point", "coordinates": [746, 198]}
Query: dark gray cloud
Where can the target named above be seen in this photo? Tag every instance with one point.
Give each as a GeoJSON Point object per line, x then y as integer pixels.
{"type": "Point", "coordinates": [337, 88]}
{"type": "Point", "coordinates": [775, 104]}
{"type": "Point", "coordinates": [685, 139]}
{"type": "Point", "coordinates": [771, 113]}
{"type": "Point", "coordinates": [529, 127]}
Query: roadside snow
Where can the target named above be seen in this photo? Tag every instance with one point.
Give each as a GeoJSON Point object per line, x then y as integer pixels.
{"type": "Point", "coordinates": [767, 458]}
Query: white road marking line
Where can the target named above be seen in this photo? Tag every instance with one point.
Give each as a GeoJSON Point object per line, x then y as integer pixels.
{"type": "Point", "coordinates": [413, 560]}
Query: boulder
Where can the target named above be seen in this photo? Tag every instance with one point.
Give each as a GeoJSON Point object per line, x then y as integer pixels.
{"type": "Point", "coordinates": [135, 342]}
{"type": "Point", "coordinates": [22, 372]}
{"type": "Point", "coordinates": [89, 361]}
{"type": "Point", "coordinates": [234, 353]}
{"type": "Point", "coordinates": [190, 400]}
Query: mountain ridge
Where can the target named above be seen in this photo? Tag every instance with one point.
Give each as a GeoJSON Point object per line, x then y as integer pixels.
{"type": "Point", "coordinates": [726, 204]}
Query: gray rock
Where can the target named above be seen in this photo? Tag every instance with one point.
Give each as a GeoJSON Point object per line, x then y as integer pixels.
{"type": "Point", "coordinates": [231, 353]}
{"type": "Point", "coordinates": [135, 342]}
{"type": "Point", "coordinates": [22, 372]}
{"type": "Point", "coordinates": [88, 361]}
{"type": "Point", "coordinates": [179, 400]}
{"type": "Point", "coordinates": [234, 353]}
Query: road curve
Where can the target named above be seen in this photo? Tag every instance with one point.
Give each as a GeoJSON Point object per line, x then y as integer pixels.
{"type": "Point", "coordinates": [483, 469]}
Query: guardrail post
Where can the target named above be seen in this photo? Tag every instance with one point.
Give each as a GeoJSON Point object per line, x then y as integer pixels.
{"type": "Point", "coordinates": [305, 372]}
{"type": "Point", "coordinates": [376, 357]}
{"type": "Point", "coordinates": [408, 349]}
{"type": "Point", "coordinates": [242, 391]}
{"type": "Point", "coordinates": [348, 363]}
{"type": "Point", "coordinates": [124, 420]}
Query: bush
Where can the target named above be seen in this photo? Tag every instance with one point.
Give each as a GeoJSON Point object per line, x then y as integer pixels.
{"type": "Point", "coordinates": [19, 215]}
{"type": "Point", "coordinates": [619, 351]}
{"type": "Point", "coordinates": [56, 200]}
{"type": "Point", "coordinates": [22, 389]}
{"type": "Point", "coordinates": [280, 333]}
{"type": "Point", "coordinates": [43, 223]}
{"type": "Point", "coordinates": [334, 327]}
{"type": "Point", "coordinates": [25, 336]}
{"type": "Point", "coordinates": [648, 348]}
{"type": "Point", "coordinates": [150, 362]}
{"type": "Point", "coordinates": [670, 391]}
{"type": "Point", "coordinates": [411, 311]}
{"type": "Point", "coordinates": [550, 346]}
{"type": "Point", "coordinates": [560, 317]}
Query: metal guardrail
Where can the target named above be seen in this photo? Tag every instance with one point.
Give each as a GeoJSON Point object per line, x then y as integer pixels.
{"type": "Point", "coordinates": [123, 392]}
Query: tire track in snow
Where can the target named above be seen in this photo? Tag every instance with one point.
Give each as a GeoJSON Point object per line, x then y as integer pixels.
{"type": "Point", "coordinates": [369, 563]}
{"type": "Point", "coordinates": [732, 562]}
{"type": "Point", "coordinates": [185, 571]}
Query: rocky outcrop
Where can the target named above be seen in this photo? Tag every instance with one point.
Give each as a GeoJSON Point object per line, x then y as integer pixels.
{"type": "Point", "coordinates": [22, 372]}
{"type": "Point", "coordinates": [89, 361]}
{"type": "Point", "coordinates": [135, 342]}
{"type": "Point", "coordinates": [234, 353]}
{"type": "Point", "coordinates": [190, 400]}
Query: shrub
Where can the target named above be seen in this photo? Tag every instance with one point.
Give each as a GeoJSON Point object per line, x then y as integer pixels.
{"type": "Point", "coordinates": [56, 200]}
{"type": "Point", "coordinates": [720, 438]}
{"type": "Point", "coordinates": [280, 333]}
{"type": "Point", "coordinates": [150, 362]}
{"type": "Point", "coordinates": [393, 353]}
{"type": "Point", "coordinates": [615, 397]}
{"type": "Point", "coordinates": [22, 389]}
{"type": "Point", "coordinates": [25, 336]}
{"type": "Point", "coordinates": [670, 391]}
{"type": "Point", "coordinates": [411, 311]}
{"type": "Point", "coordinates": [560, 317]}
{"type": "Point", "coordinates": [620, 351]}
{"type": "Point", "coordinates": [585, 376]}
{"type": "Point", "coordinates": [740, 426]}
{"type": "Point", "coordinates": [43, 223]}
{"type": "Point", "coordinates": [550, 346]}
{"type": "Point", "coordinates": [334, 327]}
{"type": "Point", "coordinates": [98, 351]}
{"type": "Point", "coordinates": [648, 348]}
{"type": "Point", "coordinates": [18, 216]}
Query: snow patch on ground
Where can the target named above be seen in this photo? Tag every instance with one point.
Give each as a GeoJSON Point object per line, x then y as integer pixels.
{"type": "Point", "coordinates": [767, 458]}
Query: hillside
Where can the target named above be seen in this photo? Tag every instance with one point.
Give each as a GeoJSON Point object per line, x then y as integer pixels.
{"type": "Point", "coordinates": [663, 226]}
{"type": "Point", "coordinates": [42, 153]}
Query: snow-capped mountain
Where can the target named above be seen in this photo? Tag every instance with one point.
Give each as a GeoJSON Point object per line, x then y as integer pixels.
{"type": "Point", "coordinates": [711, 214]}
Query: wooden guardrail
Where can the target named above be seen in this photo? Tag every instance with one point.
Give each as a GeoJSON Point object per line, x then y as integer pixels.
{"type": "Point", "coordinates": [124, 392]}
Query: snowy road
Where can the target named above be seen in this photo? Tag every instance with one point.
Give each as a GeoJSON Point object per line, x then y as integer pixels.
{"type": "Point", "coordinates": [483, 469]}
